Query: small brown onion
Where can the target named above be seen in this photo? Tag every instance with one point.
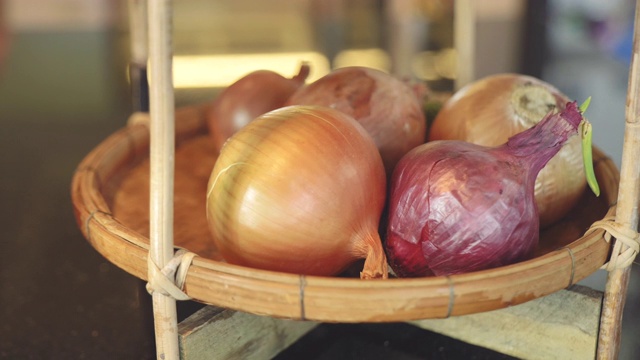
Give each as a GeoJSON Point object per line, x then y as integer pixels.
{"type": "Point", "coordinates": [301, 190]}
{"type": "Point", "coordinates": [489, 111]}
{"type": "Point", "coordinates": [388, 108]}
{"type": "Point", "coordinates": [249, 97]}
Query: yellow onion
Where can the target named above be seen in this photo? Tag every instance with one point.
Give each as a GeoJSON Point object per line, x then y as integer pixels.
{"type": "Point", "coordinates": [300, 189]}
{"type": "Point", "coordinates": [489, 111]}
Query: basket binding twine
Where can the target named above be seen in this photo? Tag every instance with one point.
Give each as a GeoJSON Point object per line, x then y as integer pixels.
{"type": "Point", "coordinates": [170, 279]}
{"type": "Point", "coordinates": [625, 247]}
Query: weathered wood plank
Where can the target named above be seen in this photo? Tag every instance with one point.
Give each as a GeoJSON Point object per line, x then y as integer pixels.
{"type": "Point", "coordinates": [215, 333]}
{"type": "Point", "coordinates": [563, 325]}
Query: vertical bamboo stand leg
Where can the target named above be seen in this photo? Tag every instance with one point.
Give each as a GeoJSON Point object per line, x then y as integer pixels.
{"type": "Point", "coordinates": [162, 147]}
{"type": "Point", "coordinates": [139, 55]}
{"type": "Point", "coordinates": [464, 33]}
{"type": "Point", "coordinates": [627, 208]}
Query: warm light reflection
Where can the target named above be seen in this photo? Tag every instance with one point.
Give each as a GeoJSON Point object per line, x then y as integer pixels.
{"type": "Point", "coordinates": [199, 71]}
{"type": "Point", "coordinates": [423, 66]}
{"type": "Point", "coordinates": [374, 58]}
{"type": "Point", "coordinates": [446, 63]}
{"type": "Point", "coordinates": [207, 71]}
{"type": "Point", "coordinates": [434, 65]}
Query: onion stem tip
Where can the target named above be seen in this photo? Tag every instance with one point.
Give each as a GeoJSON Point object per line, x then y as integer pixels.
{"type": "Point", "coordinates": [585, 105]}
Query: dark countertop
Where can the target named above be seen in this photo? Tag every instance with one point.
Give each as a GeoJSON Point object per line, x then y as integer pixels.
{"type": "Point", "coordinates": [59, 298]}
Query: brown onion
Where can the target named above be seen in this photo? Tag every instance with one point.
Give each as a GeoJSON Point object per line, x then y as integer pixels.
{"type": "Point", "coordinates": [489, 111]}
{"type": "Point", "coordinates": [249, 97]}
{"type": "Point", "coordinates": [388, 108]}
{"type": "Point", "coordinates": [300, 190]}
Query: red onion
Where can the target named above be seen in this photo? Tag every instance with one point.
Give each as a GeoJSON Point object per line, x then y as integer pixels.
{"type": "Point", "coordinates": [490, 110]}
{"type": "Point", "coordinates": [388, 108]}
{"type": "Point", "coordinates": [457, 207]}
{"type": "Point", "coordinates": [251, 96]}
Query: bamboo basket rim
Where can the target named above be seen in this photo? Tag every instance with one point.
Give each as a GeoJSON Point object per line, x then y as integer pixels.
{"type": "Point", "coordinates": [328, 299]}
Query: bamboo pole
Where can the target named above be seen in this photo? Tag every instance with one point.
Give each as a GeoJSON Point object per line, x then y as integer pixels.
{"type": "Point", "coordinates": [139, 32]}
{"type": "Point", "coordinates": [627, 208]}
{"type": "Point", "coordinates": [162, 149]}
{"type": "Point", "coordinates": [139, 46]}
{"type": "Point", "coordinates": [464, 32]}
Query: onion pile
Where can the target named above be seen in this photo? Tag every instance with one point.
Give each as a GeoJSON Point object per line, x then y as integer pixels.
{"type": "Point", "coordinates": [490, 110]}
{"type": "Point", "coordinates": [388, 108]}
{"type": "Point", "coordinates": [457, 207]}
{"type": "Point", "coordinates": [301, 190]}
{"type": "Point", "coordinates": [249, 97]}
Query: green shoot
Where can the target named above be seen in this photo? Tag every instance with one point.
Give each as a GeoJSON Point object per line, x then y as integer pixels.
{"type": "Point", "coordinates": [587, 157]}
{"type": "Point", "coordinates": [585, 105]}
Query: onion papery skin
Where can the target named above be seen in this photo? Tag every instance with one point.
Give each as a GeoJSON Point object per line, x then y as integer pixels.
{"type": "Point", "coordinates": [457, 207]}
{"type": "Point", "coordinates": [489, 111]}
{"type": "Point", "coordinates": [300, 190]}
{"type": "Point", "coordinates": [249, 97]}
{"type": "Point", "coordinates": [388, 108]}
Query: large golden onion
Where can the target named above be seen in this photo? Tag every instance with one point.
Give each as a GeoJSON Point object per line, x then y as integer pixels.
{"type": "Point", "coordinates": [300, 190]}
{"type": "Point", "coordinates": [490, 110]}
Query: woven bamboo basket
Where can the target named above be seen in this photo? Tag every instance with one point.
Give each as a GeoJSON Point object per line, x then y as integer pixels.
{"type": "Point", "coordinates": [110, 193]}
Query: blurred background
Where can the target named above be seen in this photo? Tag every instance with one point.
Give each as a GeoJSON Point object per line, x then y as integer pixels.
{"type": "Point", "coordinates": [65, 86]}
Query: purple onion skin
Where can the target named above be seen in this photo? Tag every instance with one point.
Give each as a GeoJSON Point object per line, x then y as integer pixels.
{"type": "Point", "coordinates": [456, 207]}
